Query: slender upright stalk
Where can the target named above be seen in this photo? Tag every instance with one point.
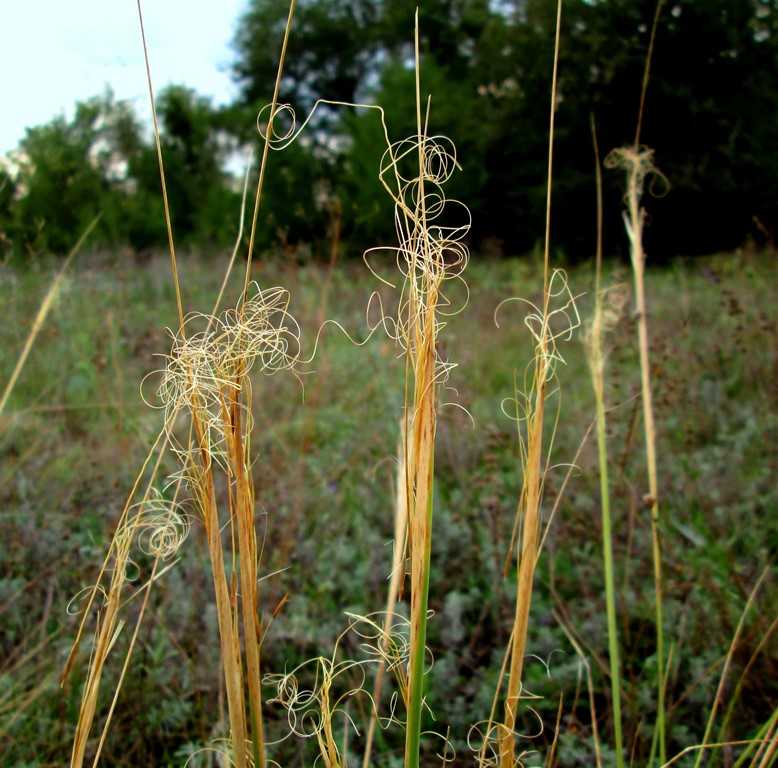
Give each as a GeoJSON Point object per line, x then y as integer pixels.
{"type": "Point", "coordinates": [420, 529]}
{"type": "Point", "coordinates": [638, 164]}
{"type": "Point", "coordinates": [529, 504]}
{"type": "Point", "coordinates": [652, 501]}
{"type": "Point", "coordinates": [398, 567]}
{"type": "Point", "coordinates": [607, 553]}
{"type": "Point", "coordinates": [426, 270]}
{"type": "Point", "coordinates": [597, 367]}
{"type": "Point", "coordinates": [421, 464]}
{"type": "Point", "coordinates": [244, 512]}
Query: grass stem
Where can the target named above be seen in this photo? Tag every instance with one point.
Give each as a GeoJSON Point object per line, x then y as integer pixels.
{"type": "Point", "coordinates": [638, 164]}
{"type": "Point", "coordinates": [529, 505]}
{"type": "Point", "coordinates": [597, 368]}
{"type": "Point", "coordinates": [41, 316]}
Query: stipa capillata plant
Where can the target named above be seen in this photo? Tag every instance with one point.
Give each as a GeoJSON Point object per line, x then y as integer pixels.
{"type": "Point", "coordinates": [317, 694]}
{"type": "Point", "coordinates": [431, 252]}
{"type": "Point", "coordinates": [555, 319]}
{"type": "Point", "coordinates": [549, 324]}
{"type": "Point", "coordinates": [208, 374]}
{"type": "Point", "coordinates": [638, 165]}
{"type": "Point", "coordinates": [207, 378]}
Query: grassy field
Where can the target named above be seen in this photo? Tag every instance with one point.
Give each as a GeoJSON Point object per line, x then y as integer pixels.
{"type": "Point", "coordinates": [76, 431]}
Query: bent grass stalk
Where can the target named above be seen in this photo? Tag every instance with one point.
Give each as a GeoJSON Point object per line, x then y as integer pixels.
{"type": "Point", "coordinates": [725, 671]}
{"type": "Point", "coordinates": [735, 696]}
{"type": "Point", "coordinates": [40, 318]}
{"type": "Point", "coordinates": [590, 686]}
{"type": "Point", "coordinates": [761, 751]}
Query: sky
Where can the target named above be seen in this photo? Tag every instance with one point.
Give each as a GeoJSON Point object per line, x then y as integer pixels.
{"type": "Point", "coordinates": [54, 53]}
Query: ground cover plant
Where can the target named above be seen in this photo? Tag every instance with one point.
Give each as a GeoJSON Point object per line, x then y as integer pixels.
{"type": "Point", "coordinates": [324, 490]}
{"type": "Point", "coordinates": [317, 489]}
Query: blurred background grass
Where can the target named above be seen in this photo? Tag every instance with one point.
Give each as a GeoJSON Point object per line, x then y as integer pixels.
{"type": "Point", "coordinates": [76, 431]}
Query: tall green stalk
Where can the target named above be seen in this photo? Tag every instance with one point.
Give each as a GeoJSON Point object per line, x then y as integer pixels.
{"type": "Point", "coordinates": [419, 607]}
{"type": "Point", "coordinates": [597, 367]}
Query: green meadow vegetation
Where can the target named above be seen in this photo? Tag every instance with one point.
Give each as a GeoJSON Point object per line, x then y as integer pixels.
{"type": "Point", "coordinates": [428, 508]}
{"type": "Point", "coordinates": [75, 431]}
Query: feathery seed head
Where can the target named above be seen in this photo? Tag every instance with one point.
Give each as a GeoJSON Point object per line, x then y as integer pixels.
{"type": "Point", "coordinates": [430, 249]}
{"type": "Point", "coordinates": [207, 370]}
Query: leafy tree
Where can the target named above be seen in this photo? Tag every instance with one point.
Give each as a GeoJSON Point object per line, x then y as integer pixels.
{"type": "Point", "coordinates": [104, 161]}
{"type": "Point", "coordinates": [7, 222]}
{"type": "Point", "coordinates": [329, 56]}
{"type": "Point", "coordinates": [64, 179]}
{"type": "Point", "coordinates": [195, 147]}
{"type": "Point", "coordinates": [488, 66]}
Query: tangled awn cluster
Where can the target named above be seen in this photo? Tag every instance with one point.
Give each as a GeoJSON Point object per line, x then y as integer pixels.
{"type": "Point", "coordinates": [206, 370]}
{"type": "Point", "coordinates": [431, 250]}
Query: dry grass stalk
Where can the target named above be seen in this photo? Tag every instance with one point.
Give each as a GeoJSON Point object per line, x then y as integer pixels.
{"type": "Point", "coordinates": [398, 569]}
{"type": "Point", "coordinates": [40, 318]}
{"type": "Point", "coordinates": [548, 326]}
{"type": "Point", "coordinates": [528, 515]}
{"type": "Point", "coordinates": [217, 392]}
{"type": "Point", "coordinates": [428, 255]}
{"type": "Point", "coordinates": [768, 749]}
{"type": "Point", "coordinates": [207, 374]}
{"type": "Point", "coordinates": [638, 163]}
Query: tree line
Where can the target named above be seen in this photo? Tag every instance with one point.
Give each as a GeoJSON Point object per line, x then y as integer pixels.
{"type": "Point", "coordinates": [710, 101]}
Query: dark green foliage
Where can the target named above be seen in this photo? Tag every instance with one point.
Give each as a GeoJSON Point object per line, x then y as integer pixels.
{"type": "Point", "coordinates": [7, 215]}
{"type": "Point", "coordinates": [194, 148]}
{"type": "Point", "coordinates": [63, 179]}
{"type": "Point", "coordinates": [103, 163]}
{"type": "Point", "coordinates": [488, 68]}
